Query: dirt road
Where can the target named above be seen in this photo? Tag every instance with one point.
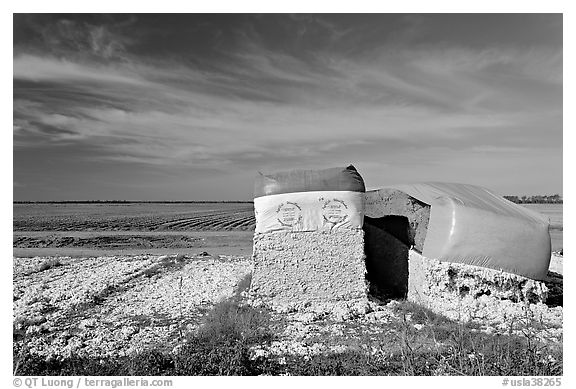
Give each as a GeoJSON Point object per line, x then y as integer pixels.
{"type": "Point", "coordinates": [100, 243]}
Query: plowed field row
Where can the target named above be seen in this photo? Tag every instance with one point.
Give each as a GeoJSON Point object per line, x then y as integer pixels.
{"type": "Point", "coordinates": [240, 220]}
{"type": "Point", "coordinates": [133, 217]}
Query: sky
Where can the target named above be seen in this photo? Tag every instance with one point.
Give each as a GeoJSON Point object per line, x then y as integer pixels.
{"type": "Point", "coordinates": [193, 106]}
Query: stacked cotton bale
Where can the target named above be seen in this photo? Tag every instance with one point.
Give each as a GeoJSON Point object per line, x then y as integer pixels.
{"type": "Point", "coordinates": [440, 285]}
{"type": "Point", "coordinates": [472, 293]}
{"type": "Point", "coordinates": [309, 242]}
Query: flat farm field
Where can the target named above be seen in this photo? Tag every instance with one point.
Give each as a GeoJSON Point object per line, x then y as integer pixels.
{"type": "Point", "coordinates": [80, 229]}
{"type": "Point", "coordinates": [134, 216]}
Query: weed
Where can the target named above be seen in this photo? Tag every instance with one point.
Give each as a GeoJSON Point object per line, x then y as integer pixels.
{"type": "Point", "coordinates": [349, 363]}
{"type": "Point", "coordinates": [222, 343]}
{"type": "Point", "coordinates": [34, 365]}
{"type": "Point", "coordinates": [223, 357]}
{"type": "Point", "coordinates": [181, 314]}
{"type": "Point", "coordinates": [149, 362]}
{"type": "Point", "coordinates": [229, 320]}
{"type": "Point", "coordinates": [462, 350]}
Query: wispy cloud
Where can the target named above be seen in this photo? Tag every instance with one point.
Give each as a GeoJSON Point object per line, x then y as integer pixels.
{"type": "Point", "coordinates": [38, 68]}
{"type": "Point", "coordinates": [261, 104]}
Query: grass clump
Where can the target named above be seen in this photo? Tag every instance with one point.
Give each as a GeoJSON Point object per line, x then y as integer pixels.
{"type": "Point", "coordinates": [221, 346]}
{"type": "Point", "coordinates": [231, 321]}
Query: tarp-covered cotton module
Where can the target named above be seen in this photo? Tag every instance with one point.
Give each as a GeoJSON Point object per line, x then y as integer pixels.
{"type": "Point", "coordinates": [469, 224]}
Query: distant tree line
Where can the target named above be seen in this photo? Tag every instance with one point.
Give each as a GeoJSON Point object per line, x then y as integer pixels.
{"type": "Point", "coordinates": [538, 199]}
{"type": "Point", "coordinates": [133, 202]}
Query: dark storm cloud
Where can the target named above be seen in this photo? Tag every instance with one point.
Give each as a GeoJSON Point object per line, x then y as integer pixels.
{"type": "Point", "coordinates": [209, 99]}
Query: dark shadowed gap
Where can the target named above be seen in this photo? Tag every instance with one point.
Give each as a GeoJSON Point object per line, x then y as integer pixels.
{"type": "Point", "coordinates": [386, 244]}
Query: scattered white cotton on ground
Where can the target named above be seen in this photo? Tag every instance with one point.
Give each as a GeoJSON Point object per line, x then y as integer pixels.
{"type": "Point", "coordinates": [306, 334]}
{"type": "Point", "coordinates": [110, 306]}
{"type": "Point", "coordinates": [115, 306]}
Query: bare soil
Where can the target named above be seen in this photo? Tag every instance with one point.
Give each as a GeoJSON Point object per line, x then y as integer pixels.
{"type": "Point", "coordinates": [134, 216]}
{"type": "Point", "coordinates": [131, 229]}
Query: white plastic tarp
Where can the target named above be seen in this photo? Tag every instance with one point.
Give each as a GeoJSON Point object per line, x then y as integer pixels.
{"type": "Point", "coordinates": [291, 181]}
{"type": "Point", "coordinates": [309, 211]}
{"type": "Point", "coordinates": [470, 224]}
